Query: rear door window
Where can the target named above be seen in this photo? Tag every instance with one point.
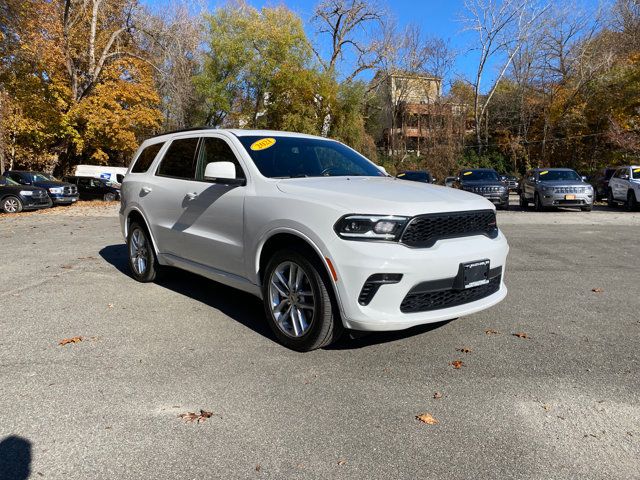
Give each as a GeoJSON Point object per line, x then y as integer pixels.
{"type": "Point", "coordinates": [146, 158]}
{"type": "Point", "coordinates": [180, 159]}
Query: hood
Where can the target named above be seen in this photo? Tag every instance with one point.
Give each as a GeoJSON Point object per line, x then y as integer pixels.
{"type": "Point", "coordinates": [51, 184]}
{"type": "Point", "coordinates": [17, 188]}
{"type": "Point", "coordinates": [563, 183]}
{"type": "Point", "coordinates": [482, 183]}
{"type": "Point", "coordinates": [382, 195]}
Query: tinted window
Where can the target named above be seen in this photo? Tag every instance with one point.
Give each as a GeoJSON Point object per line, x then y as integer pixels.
{"type": "Point", "coordinates": [289, 157]}
{"type": "Point", "coordinates": [179, 161]}
{"type": "Point", "coordinates": [83, 182]}
{"type": "Point", "coordinates": [146, 157]}
{"type": "Point", "coordinates": [559, 175]}
{"type": "Point", "coordinates": [216, 150]}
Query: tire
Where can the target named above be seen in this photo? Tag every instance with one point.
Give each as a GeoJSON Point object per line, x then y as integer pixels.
{"type": "Point", "coordinates": [611, 203]}
{"type": "Point", "coordinates": [109, 197]}
{"type": "Point", "coordinates": [11, 204]}
{"type": "Point", "coordinates": [538, 203]}
{"type": "Point", "coordinates": [314, 293]}
{"type": "Point", "coordinates": [506, 206]}
{"type": "Point", "coordinates": [142, 257]}
{"type": "Point", "coordinates": [588, 208]}
{"type": "Point", "coordinates": [631, 204]}
{"type": "Point", "coordinates": [524, 204]}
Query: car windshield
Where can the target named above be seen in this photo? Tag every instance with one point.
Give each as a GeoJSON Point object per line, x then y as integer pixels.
{"type": "Point", "coordinates": [42, 177]}
{"type": "Point", "coordinates": [482, 175]}
{"type": "Point", "coordinates": [555, 175]}
{"type": "Point", "coordinates": [293, 157]}
{"type": "Point", "coordinates": [636, 173]}
{"type": "Point", "coordinates": [7, 181]}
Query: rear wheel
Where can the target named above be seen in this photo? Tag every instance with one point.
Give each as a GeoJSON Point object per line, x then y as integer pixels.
{"type": "Point", "coordinates": [109, 197]}
{"type": "Point", "coordinates": [11, 204]}
{"type": "Point", "coordinates": [588, 208]}
{"type": "Point", "coordinates": [538, 203]}
{"type": "Point", "coordinates": [524, 204]}
{"type": "Point", "coordinates": [631, 204]}
{"type": "Point", "coordinates": [299, 302]}
{"type": "Point", "coordinates": [142, 257]}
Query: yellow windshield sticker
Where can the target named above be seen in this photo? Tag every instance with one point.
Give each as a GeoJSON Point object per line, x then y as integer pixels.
{"type": "Point", "coordinates": [467, 173]}
{"type": "Point", "coordinates": [544, 172]}
{"type": "Point", "coordinates": [401, 174]}
{"type": "Point", "coordinates": [263, 144]}
{"type": "Point", "coordinates": [636, 170]}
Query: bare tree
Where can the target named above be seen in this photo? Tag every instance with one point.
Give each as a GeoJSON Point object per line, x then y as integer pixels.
{"type": "Point", "coordinates": [352, 25]}
{"type": "Point", "coordinates": [502, 26]}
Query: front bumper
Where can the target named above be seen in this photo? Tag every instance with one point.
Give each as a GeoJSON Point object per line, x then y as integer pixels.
{"type": "Point", "coordinates": [34, 203]}
{"type": "Point", "coordinates": [63, 199]}
{"type": "Point", "coordinates": [355, 262]}
{"type": "Point", "coordinates": [565, 200]}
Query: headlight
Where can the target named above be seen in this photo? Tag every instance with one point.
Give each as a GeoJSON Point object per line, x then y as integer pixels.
{"type": "Point", "coordinates": [547, 189]}
{"type": "Point", "coordinates": [26, 193]}
{"type": "Point", "coordinates": [370, 227]}
{"type": "Point", "coordinates": [56, 190]}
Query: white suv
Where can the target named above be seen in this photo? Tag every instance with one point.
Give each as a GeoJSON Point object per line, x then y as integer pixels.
{"type": "Point", "coordinates": [320, 233]}
{"type": "Point", "coordinates": [624, 186]}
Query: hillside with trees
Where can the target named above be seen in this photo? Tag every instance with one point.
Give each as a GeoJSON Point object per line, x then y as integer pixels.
{"type": "Point", "coordinates": [554, 83]}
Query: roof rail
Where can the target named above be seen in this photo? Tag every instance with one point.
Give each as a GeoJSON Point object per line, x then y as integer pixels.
{"type": "Point", "coordinates": [191, 129]}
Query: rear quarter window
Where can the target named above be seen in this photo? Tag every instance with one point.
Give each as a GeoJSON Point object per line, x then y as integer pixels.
{"type": "Point", "coordinates": [146, 158]}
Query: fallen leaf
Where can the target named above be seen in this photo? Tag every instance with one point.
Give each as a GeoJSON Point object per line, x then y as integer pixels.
{"type": "Point", "coordinates": [491, 332]}
{"type": "Point", "coordinates": [546, 407]}
{"type": "Point", "coordinates": [597, 290]}
{"type": "Point", "coordinates": [464, 350]}
{"type": "Point", "coordinates": [70, 340]}
{"type": "Point", "coordinates": [66, 267]}
{"type": "Point", "coordinates": [426, 418]}
{"type": "Point", "coordinates": [191, 417]}
{"type": "Point", "coordinates": [520, 335]}
{"type": "Point", "coordinates": [457, 364]}
{"type": "Point", "coordinates": [258, 468]}
{"type": "Point", "coordinates": [437, 395]}
{"type": "Point", "coordinates": [342, 461]}
{"type": "Point", "coordinates": [110, 305]}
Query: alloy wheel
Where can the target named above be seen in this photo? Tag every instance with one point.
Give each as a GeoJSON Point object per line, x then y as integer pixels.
{"type": "Point", "coordinates": [138, 251]}
{"type": "Point", "coordinates": [291, 299]}
{"type": "Point", "coordinates": [10, 205]}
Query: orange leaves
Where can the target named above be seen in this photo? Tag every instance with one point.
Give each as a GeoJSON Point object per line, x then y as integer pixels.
{"type": "Point", "coordinates": [191, 417]}
{"type": "Point", "coordinates": [520, 335]}
{"type": "Point", "coordinates": [66, 341]}
{"type": "Point", "coordinates": [426, 418]}
{"type": "Point", "coordinates": [597, 290]}
{"type": "Point", "coordinates": [491, 332]}
{"type": "Point", "coordinates": [457, 364]}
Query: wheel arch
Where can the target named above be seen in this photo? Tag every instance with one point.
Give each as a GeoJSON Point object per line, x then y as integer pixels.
{"type": "Point", "coordinates": [136, 215]}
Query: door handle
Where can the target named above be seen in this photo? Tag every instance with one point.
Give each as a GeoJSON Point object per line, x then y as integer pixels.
{"type": "Point", "coordinates": [191, 196]}
{"type": "Point", "coordinates": [146, 189]}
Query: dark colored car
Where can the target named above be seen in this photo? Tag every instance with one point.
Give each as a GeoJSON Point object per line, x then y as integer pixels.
{"type": "Point", "coordinates": [423, 176]}
{"type": "Point", "coordinates": [600, 182]}
{"type": "Point", "coordinates": [61, 193]}
{"type": "Point", "coordinates": [511, 181]}
{"type": "Point", "coordinates": [15, 197]}
{"type": "Point", "coordinates": [91, 188]}
{"type": "Point", "coordinates": [485, 182]}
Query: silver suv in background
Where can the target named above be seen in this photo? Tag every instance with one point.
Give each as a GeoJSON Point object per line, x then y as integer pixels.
{"type": "Point", "coordinates": [624, 187]}
{"type": "Point", "coordinates": [555, 187]}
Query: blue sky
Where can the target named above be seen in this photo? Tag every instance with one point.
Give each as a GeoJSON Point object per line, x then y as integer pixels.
{"type": "Point", "coordinates": [438, 18]}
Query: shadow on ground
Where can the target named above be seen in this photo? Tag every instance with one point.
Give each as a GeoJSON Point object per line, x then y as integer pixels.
{"type": "Point", "coordinates": [244, 307]}
{"type": "Point", "coordinates": [15, 458]}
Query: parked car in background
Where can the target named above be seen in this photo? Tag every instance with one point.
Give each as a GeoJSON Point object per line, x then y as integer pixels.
{"type": "Point", "coordinates": [15, 198]}
{"type": "Point", "coordinates": [114, 175]}
{"type": "Point", "coordinates": [600, 183]}
{"type": "Point", "coordinates": [312, 227]}
{"type": "Point", "coordinates": [624, 187]}
{"type": "Point", "coordinates": [511, 182]}
{"type": "Point", "coordinates": [423, 176]}
{"type": "Point", "coordinates": [90, 188]}
{"type": "Point", "coordinates": [61, 193]}
{"type": "Point", "coordinates": [555, 187]}
{"type": "Point", "coordinates": [485, 182]}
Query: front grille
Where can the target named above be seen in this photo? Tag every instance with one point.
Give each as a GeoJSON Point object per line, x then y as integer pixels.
{"type": "Point", "coordinates": [569, 190]}
{"type": "Point", "coordinates": [416, 301]}
{"type": "Point", "coordinates": [482, 190]}
{"type": "Point", "coordinates": [425, 230]}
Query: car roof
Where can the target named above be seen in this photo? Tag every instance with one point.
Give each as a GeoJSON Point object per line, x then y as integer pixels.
{"type": "Point", "coordinates": [562, 169]}
{"type": "Point", "coordinates": [240, 133]}
{"type": "Point", "coordinates": [479, 169]}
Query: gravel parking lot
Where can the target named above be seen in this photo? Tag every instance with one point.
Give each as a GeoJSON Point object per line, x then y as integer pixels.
{"type": "Point", "coordinates": [560, 400]}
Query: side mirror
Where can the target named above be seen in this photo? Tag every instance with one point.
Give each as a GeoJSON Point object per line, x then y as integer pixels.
{"type": "Point", "coordinates": [584, 179]}
{"type": "Point", "coordinates": [434, 179]}
{"type": "Point", "coordinates": [624, 177]}
{"type": "Point", "coordinates": [222, 172]}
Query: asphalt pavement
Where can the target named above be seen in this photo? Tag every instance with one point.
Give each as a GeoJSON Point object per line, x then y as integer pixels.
{"type": "Point", "coordinates": [559, 400]}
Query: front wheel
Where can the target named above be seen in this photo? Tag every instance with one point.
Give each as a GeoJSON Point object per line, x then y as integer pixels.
{"type": "Point", "coordinates": [538, 203]}
{"type": "Point", "coordinates": [299, 302]}
{"type": "Point", "coordinates": [11, 205]}
{"type": "Point", "coordinates": [142, 258]}
{"type": "Point", "coordinates": [631, 204]}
